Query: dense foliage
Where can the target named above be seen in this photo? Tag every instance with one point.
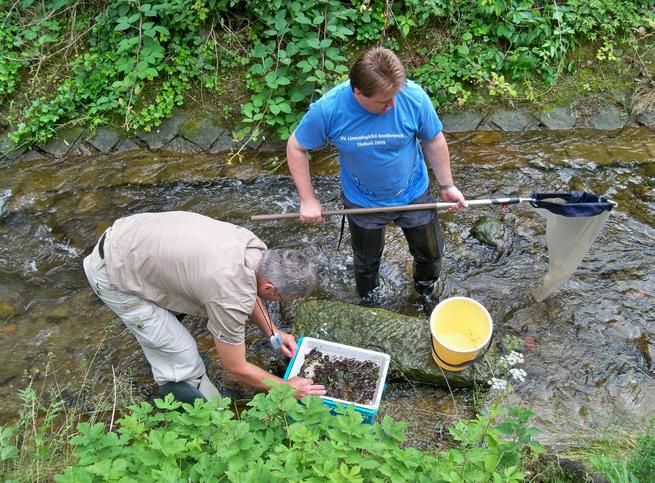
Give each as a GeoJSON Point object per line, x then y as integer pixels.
{"type": "Point", "coordinates": [133, 61]}
{"type": "Point", "coordinates": [277, 439]}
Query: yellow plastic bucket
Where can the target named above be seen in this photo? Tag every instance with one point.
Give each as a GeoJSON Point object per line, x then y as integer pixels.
{"type": "Point", "coordinates": [461, 329]}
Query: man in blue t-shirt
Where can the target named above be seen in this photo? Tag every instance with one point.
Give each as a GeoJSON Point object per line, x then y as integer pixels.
{"type": "Point", "coordinates": [377, 121]}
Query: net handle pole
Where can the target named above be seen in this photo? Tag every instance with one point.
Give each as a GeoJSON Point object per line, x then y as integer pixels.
{"type": "Point", "coordinates": [394, 209]}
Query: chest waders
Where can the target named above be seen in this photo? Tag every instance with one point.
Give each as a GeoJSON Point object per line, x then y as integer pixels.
{"type": "Point", "coordinates": [425, 244]}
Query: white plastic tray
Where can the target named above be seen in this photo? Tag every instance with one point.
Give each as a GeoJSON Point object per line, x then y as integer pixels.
{"type": "Point", "coordinates": [334, 348]}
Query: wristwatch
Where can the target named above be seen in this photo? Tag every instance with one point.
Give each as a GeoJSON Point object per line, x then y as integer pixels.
{"type": "Point", "coordinates": [446, 186]}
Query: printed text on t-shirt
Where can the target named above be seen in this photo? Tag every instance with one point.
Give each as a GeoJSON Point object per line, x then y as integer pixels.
{"type": "Point", "coordinates": [371, 139]}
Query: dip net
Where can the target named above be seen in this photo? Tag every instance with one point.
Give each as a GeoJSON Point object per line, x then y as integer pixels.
{"type": "Point", "coordinates": [573, 221]}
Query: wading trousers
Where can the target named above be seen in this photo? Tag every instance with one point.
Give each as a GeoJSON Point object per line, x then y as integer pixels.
{"type": "Point", "coordinates": [169, 347]}
{"type": "Point", "coordinates": [425, 244]}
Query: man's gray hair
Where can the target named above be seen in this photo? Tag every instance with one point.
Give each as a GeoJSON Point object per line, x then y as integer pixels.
{"type": "Point", "coordinates": [291, 271]}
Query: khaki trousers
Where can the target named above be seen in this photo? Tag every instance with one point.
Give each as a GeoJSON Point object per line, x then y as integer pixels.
{"type": "Point", "coordinates": [169, 347]}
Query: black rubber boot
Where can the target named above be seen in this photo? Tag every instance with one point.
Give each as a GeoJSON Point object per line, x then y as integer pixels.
{"type": "Point", "coordinates": [424, 287]}
{"type": "Point", "coordinates": [181, 391]}
{"type": "Point", "coordinates": [426, 246]}
{"type": "Point", "coordinates": [373, 298]}
{"type": "Point", "coordinates": [368, 246]}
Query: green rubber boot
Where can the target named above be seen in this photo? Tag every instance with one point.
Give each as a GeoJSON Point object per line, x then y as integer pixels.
{"type": "Point", "coordinates": [181, 391]}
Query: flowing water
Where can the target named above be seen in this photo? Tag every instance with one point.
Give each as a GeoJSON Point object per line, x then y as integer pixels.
{"type": "Point", "coordinates": [588, 349]}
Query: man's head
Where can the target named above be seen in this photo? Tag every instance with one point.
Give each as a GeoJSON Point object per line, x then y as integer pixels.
{"type": "Point", "coordinates": [285, 274]}
{"type": "Point", "coordinates": [375, 78]}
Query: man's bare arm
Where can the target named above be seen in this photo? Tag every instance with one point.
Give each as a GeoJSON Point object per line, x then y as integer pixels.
{"type": "Point", "coordinates": [437, 154]}
{"type": "Point", "coordinates": [311, 210]}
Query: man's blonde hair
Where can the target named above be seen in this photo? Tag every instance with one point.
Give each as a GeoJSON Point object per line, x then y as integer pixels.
{"type": "Point", "coordinates": [377, 70]}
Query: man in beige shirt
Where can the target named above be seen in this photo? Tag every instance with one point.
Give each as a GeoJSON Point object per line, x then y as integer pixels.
{"type": "Point", "coordinates": [149, 267]}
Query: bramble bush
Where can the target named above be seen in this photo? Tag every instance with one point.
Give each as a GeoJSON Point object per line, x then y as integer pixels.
{"type": "Point", "coordinates": [494, 43]}
{"type": "Point", "coordinates": [278, 439]}
{"type": "Point", "coordinates": [134, 61]}
{"type": "Point", "coordinates": [294, 56]}
{"type": "Point", "coordinates": [131, 45]}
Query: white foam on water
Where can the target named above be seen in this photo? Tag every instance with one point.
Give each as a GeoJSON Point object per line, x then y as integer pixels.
{"type": "Point", "coordinates": [5, 195]}
{"type": "Point", "coordinates": [29, 267]}
{"type": "Point", "coordinates": [287, 206]}
{"type": "Point", "coordinates": [68, 249]}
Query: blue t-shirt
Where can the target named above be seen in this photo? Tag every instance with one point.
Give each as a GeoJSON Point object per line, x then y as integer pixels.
{"type": "Point", "coordinates": [381, 162]}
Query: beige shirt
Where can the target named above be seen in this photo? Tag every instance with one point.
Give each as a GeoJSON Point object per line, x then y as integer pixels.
{"type": "Point", "coordinates": [188, 263]}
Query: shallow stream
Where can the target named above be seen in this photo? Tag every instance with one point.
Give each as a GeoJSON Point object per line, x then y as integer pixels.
{"type": "Point", "coordinates": [589, 349]}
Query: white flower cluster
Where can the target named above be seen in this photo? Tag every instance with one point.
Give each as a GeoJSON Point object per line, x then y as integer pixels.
{"type": "Point", "coordinates": [512, 359]}
{"type": "Point", "coordinates": [508, 362]}
{"type": "Point", "coordinates": [497, 384]}
{"type": "Point", "coordinates": [518, 374]}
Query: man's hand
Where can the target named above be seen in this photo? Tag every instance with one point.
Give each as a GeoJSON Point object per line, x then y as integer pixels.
{"type": "Point", "coordinates": [311, 211]}
{"type": "Point", "coordinates": [454, 195]}
{"type": "Point", "coordinates": [289, 345]}
{"type": "Point", "coordinates": [305, 387]}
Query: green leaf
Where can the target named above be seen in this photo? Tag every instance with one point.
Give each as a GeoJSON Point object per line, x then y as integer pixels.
{"type": "Point", "coordinates": [280, 21]}
{"type": "Point", "coordinates": [302, 19]}
{"type": "Point", "coordinates": [258, 100]}
{"type": "Point", "coordinates": [305, 66]}
{"type": "Point", "coordinates": [271, 79]}
{"type": "Point", "coordinates": [296, 96]}
{"type": "Point", "coordinates": [150, 73]}
{"type": "Point", "coordinates": [162, 30]}
{"type": "Point", "coordinates": [334, 54]}
{"type": "Point", "coordinates": [257, 69]}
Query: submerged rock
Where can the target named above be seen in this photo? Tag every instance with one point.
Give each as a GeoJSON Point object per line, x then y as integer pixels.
{"type": "Point", "coordinates": [406, 339]}
{"type": "Point", "coordinates": [491, 231]}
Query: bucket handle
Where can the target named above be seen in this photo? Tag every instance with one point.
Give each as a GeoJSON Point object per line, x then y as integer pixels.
{"type": "Point", "coordinates": [465, 363]}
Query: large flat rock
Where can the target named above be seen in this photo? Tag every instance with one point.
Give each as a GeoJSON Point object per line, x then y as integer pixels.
{"type": "Point", "coordinates": [558, 118]}
{"type": "Point", "coordinates": [165, 132]}
{"type": "Point", "coordinates": [65, 143]}
{"type": "Point", "coordinates": [608, 118]}
{"type": "Point", "coordinates": [406, 339]}
{"type": "Point", "coordinates": [461, 121]}
{"type": "Point", "coordinates": [106, 138]}
{"type": "Point", "coordinates": [201, 130]}
{"type": "Point", "coordinates": [514, 120]}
